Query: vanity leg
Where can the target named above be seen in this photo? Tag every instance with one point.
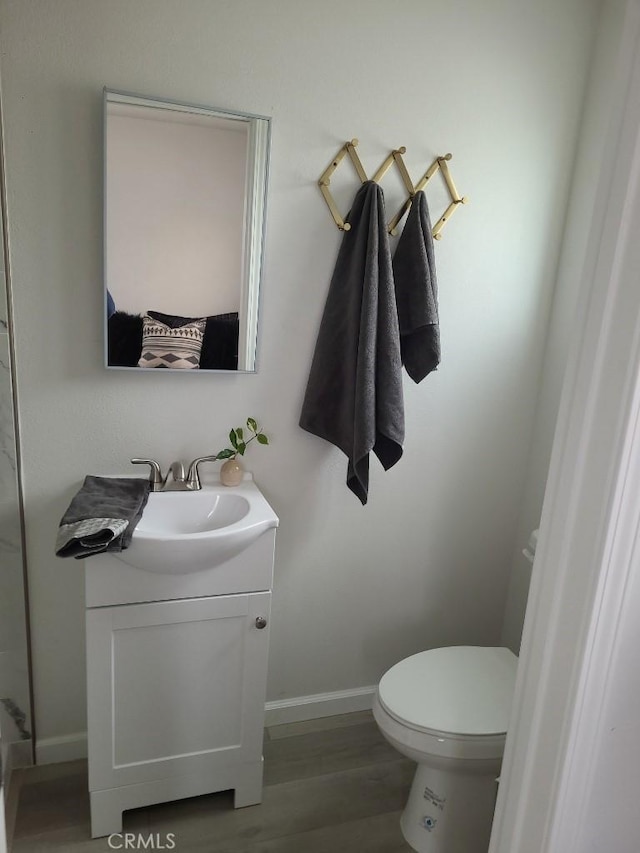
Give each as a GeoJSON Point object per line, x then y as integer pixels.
{"type": "Point", "coordinates": [106, 813]}
{"type": "Point", "coordinates": [248, 791]}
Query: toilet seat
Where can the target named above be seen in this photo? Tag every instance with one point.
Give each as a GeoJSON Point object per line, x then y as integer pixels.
{"type": "Point", "coordinates": [459, 692]}
{"type": "Point", "coordinates": [421, 745]}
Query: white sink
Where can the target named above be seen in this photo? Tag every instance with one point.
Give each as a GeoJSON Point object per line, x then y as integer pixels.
{"type": "Point", "coordinates": [183, 532]}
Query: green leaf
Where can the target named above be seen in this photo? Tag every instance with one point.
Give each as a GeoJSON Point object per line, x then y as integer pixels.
{"type": "Point", "coordinates": [239, 433]}
{"type": "Point", "coordinates": [241, 448]}
{"type": "Point", "coordinates": [262, 438]}
{"type": "Point", "coordinates": [233, 439]}
{"type": "Point", "coordinates": [253, 426]}
{"type": "Point", "coordinates": [227, 453]}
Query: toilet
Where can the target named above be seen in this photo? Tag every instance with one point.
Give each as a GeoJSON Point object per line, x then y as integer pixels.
{"type": "Point", "coordinates": [448, 709]}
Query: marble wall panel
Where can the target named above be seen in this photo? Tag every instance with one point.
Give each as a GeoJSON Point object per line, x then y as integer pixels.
{"type": "Point", "coordinates": [14, 674]}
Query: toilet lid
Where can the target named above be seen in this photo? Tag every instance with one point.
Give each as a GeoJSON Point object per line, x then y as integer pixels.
{"type": "Point", "coordinates": [462, 690]}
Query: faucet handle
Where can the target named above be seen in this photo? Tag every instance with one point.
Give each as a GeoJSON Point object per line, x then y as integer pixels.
{"type": "Point", "coordinates": [155, 474]}
{"type": "Point", "coordinates": [193, 476]}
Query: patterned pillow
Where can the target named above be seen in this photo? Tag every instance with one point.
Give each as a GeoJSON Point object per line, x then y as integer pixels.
{"type": "Point", "coordinates": [163, 346]}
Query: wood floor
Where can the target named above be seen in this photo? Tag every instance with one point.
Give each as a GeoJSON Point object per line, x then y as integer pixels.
{"type": "Point", "coordinates": [331, 786]}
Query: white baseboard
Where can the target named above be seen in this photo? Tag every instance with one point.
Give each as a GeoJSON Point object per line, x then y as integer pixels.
{"type": "Point", "coordinates": [20, 754]}
{"type": "Point", "coordinates": [5, 763]}
{"type": "Point", "coordinates": [318, 705]}
{"type": "Point", "coordinates": [12, 794]}
{"type": "Point", "coordinates": [15, 755]}
{"type": "Point", "coordinates": [53, 750]}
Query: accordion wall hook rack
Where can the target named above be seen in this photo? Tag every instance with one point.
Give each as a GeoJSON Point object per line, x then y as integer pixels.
{"type": "Point", "coordinates": [395, 157]}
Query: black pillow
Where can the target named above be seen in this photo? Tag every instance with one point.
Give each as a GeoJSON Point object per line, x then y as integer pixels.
{"type": "Point", "coordinates": [125, 339]}
{"type": "Point", "coordinates": [220, 344]}
{"type": "Point", "coordinates": [172, 320]}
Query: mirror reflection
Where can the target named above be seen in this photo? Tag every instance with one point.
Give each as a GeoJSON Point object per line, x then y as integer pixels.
{"type": "Point", "coordinates": [185, 193]}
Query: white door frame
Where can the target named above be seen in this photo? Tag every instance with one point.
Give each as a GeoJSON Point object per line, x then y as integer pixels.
{"type": "Point", "coordinates": [588, 546]}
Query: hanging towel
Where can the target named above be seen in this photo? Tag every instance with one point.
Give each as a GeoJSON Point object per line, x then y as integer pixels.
{"type": "Point", "coordinates": [102, 516]}
{"type": "Point", "coordinates": [354, 393]}
{"type": "Point", "coordinates": [414, 272]}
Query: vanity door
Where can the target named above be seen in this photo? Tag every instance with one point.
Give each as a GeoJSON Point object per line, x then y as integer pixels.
{"type": "Point", "coordinates": [176, 688]}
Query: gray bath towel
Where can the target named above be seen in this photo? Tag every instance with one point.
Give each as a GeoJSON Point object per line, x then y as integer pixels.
{"type": "Point", "coordinates": [102, 516]}
{"type": "Point", "coordinates": [354, 394]}
{"type": "Point", "coordinates": [414, 272]}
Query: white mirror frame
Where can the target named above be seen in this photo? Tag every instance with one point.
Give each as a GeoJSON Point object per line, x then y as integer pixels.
{"type": "Point", "coordinates": [254, 227]}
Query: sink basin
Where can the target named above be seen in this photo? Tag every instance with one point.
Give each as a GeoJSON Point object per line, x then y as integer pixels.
{"type": "Point", "coordinates": [188, 513]}
{"type": "Point", "coordinates": [182, 532]}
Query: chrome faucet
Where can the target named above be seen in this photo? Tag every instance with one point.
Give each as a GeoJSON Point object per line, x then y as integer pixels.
{"type": "Point", "coordinates": [193, 477]}
{"type": "Point", "coordinates": [175, 480]}
{"type": "Point", "coordinates": [178, 482]}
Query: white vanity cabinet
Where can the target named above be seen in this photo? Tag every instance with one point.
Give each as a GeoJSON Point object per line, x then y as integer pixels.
{"type": "Point", "coordinates": [176, 682]}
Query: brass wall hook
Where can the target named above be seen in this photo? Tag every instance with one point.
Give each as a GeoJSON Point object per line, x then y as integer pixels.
{"type": "Point", "coordinates": [386, 164]}
{"type": "Point", "coordinates": [325, 179]}
{"type": "Point", "coordinates": [437, 228]}
{"type": "Point", "coordinates": [394, 157]}
{"type": "Point", "coordinates": [439, 164]}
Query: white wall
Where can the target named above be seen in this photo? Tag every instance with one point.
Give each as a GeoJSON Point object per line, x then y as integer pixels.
{"type": "Point", "coordinates": [614, 780]}
{"type": "Point", "coordinates": [427, 561]}
{"type": "Point", "coordinates": [175, 212]}
{"type": "Point", "coordinates": [570, 773]}
{"type": "Point", "coordinates": [609, 741]}
{"type": "Point", "coordinates": [571, 275]}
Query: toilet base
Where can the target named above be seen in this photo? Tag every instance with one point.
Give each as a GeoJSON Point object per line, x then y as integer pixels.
{"type": "Point", "coordinates": [449, 812]}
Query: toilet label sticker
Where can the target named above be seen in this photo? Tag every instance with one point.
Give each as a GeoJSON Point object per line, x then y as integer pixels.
{"type": "Point", "coordinates": [435, 799]}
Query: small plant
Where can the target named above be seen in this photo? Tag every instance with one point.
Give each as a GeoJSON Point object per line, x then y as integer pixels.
{"type": "Point", "coordinates": [239, 442]}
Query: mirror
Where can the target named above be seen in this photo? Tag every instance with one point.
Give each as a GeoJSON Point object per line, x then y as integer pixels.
{"type": "Point", "coordinates": [184, 204]}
